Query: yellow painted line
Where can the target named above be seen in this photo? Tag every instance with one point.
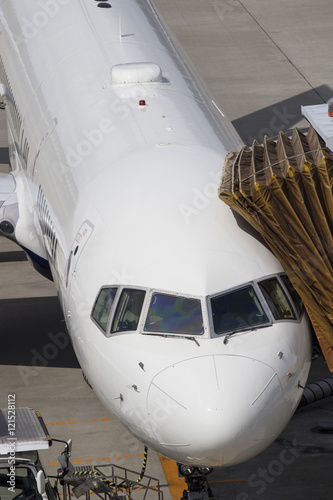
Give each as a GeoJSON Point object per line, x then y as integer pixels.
{"type": "Point", "coordinates": [105, 459]}
{"type": "Point", "coordinates": [176, 484]}
{"type": "Point", "coordinates": [73, 422]}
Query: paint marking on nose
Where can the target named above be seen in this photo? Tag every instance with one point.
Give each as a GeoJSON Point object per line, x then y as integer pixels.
{"type": "Point", "coordinates": [264, 388]}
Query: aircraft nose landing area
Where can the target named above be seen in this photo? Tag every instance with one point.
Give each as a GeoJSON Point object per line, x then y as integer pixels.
{"type": "Point", "coordinates": [229, 400]}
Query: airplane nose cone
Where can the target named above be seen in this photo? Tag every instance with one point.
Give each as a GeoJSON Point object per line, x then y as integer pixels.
{"type": "Point", "coordinates": [215, 410]}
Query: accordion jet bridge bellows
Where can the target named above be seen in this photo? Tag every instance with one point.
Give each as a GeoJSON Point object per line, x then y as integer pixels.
{"type": "Point", "coordinates": [284, 189]}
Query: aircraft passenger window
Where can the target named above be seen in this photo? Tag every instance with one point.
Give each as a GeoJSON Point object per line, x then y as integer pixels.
{"type": "Point", "coordinates": [293, 294]}
{"type": "Point", "coordinates": [276, 299]}
{"type": "Point", "coordinates": [102, 307]}
{"type": "Point", "coordinates": [173, 314]}
{"type": "Point", "coordinates": [128, 310]}
{"type": "Point", "coordinates": [237, 310]}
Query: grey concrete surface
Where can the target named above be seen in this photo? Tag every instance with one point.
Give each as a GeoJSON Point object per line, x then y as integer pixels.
{"type": "Point", "coordinates": [260, 60]}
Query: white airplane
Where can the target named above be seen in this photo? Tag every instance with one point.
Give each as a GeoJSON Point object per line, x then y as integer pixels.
{"type": "Point", "coordinates": [183, 322]}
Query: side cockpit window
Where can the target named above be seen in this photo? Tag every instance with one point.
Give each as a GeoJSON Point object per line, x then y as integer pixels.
{"type": "Point", "coordinates": [102, 307]}
{"type": "Point", "coordinates": [276, 299]}
{"type": "Point", "coordinates": [237, 310]}
{"type": "Point", "coordinates": [128, 310]}
{"type": "Point", "coordinates": [174, 314]}
{"type": "Point", "coordinates": [298, 303]}
{"type": "Point", "coordinates": [255, 305]}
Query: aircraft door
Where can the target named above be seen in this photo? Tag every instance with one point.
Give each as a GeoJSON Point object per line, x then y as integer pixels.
{"type": "Point", "coordinates": [78, 245]}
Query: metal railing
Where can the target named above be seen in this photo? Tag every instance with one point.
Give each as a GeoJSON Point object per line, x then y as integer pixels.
{"type": "Point", "coordinates": [110, 482]}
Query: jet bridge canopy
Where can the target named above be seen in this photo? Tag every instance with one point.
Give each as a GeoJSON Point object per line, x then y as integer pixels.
{"type": "Point", "coordinates": [284, 189]}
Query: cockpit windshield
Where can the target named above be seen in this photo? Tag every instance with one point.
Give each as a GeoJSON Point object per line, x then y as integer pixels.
{"type": "Point", "coordinates": [237, 310]}
{"type": "Point", "coordinates": [255, 304]}
{"type": "Point", "coordinates": [174, 314]}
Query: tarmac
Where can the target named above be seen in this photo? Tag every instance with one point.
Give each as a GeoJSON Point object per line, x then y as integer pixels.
{"type": "Point", "coordinates": [259, 61]}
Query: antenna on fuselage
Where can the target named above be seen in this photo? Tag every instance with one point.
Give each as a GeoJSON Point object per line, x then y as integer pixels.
{"type": "Point", "coordinates": [121, 36]}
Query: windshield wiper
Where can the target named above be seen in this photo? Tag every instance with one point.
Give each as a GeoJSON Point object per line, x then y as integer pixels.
{"type": "Point", "coordinates": [170, 335]}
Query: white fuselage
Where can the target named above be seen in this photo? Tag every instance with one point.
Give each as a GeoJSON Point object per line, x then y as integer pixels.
{"type": "Point", "coordinates": [115, 192]}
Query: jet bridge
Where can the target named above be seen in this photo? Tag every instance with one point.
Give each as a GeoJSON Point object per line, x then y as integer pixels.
{"type": "Point", "coordinates": [284, 189]}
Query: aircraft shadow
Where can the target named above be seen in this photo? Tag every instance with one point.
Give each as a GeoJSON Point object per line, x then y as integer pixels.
{"type": "Point", "coordinates": [33, 333]}
{"type": "Point", "coordinates": [280, 116]}
{"type": "Point", "coordinates": [16, 256]}
{"type": "Point", "coordinates": [4, 155]}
